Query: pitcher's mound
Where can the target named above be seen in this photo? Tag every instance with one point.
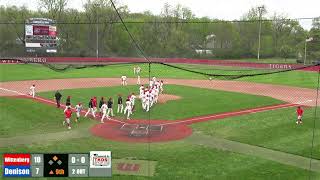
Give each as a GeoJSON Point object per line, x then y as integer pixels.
{"type": "Point", "coordinates": [163, 98]}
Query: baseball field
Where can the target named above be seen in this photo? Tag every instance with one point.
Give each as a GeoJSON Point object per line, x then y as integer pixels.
{"type": "Point", "coordinates": [201, 128]}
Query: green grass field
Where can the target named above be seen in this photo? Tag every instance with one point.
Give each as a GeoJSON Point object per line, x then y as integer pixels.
{"type": "Point", "coordinates": [175, 160]}
{"type": "Point", "coordinates": [193, 102]}
{"type": "Point", "coordinates": [270, 60]}
{"type": "Point", "coordinates": [35, 72]}
{"type": "Point", "coordinates": [181, 159]}
{"type": "Point", "coordinates": [274, 129]}
{"type": "Point", "coordinates": [24, 117]}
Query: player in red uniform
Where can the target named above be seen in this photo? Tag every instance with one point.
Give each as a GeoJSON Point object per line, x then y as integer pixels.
{"type": "Point", "coordinates": [94, 103]}
{"type": "Point", "coordinates": [299, 114]}
{"type": "Point", "coordinates": [68, 114]}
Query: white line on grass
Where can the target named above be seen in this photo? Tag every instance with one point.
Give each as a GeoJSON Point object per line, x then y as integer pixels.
{"type": "Point", "coordinates": [249, 111]}
{"type": "Point", "coordinates": [48, 101]}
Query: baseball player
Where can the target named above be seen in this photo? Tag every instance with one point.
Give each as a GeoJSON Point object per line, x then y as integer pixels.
{"type": "Point", "coordinates": [138, 70]}
{"type": "Point", "coordinates": [141, 91]}
{"type": "Point", "coordinates": [147, 101]}
{"type": "Point", "coordinates": [150, 83]}
{"type": "Point", "coordinates": [104, 108]}
{"type": "Point", "coordinates": [123, 80]}
{"type": "Point", "coordinates": [156, 94]}
{"type": "Point", "coordinates": [110, 110]}
{"type": "Point", "coordinates": [132, 99]}
{"type": "Point", "coordinates": [299, 114]}
{"type": "Point", "coordinates": [161, 86]}
{"type": "Point", "coordinates": [120, 104]}
{"type": "Point", "coordinates": [154, 80]}
{"type": "Point", "coordinates": [94, 103]}
{"type": "Point", "coordinates": [138, 80]}
{"type": "Point", "coordinates": [68, 103]}
{"type": "Point", "coordinates": [90, 109]}
{"type": "Point", "coordinates": [32, 91]}
{"type": "Point", "coordinates": [101, 102]}
{"type": "Point", "coordinates": [78, 111]}
{"type": "Point", "coordinates": [57, 97]}
{"type": "Point", "coordinates": [128, 108]}
{"type": "Point", "coordinates": [134, 70]}
{"type": "Point", "coordinates": [67, 114]}
{"type": "Point", "coordinates": [151, 97]}
{"type": "Point", "coordinates": [143, 100]}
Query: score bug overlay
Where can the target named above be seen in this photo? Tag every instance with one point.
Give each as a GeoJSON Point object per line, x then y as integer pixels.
{"type": "Point", "coordinates": [93, 164]}
{"type": "Point", "coordinates": [16, 165]}
{"type": "Point", "coordinates": [100, 164]}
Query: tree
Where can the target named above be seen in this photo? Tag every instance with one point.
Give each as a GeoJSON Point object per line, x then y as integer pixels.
{"type": "Point", "coordinates": [54, 8]}
{"type": "Point", "coordinates": [314, 45]}
{"type": "Point", "coordinates": [286, 51]}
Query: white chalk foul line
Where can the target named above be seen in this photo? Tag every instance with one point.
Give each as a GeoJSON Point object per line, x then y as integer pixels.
{"type": "Point", "coordinates": [249, 111]}
{"type": "Point", "coordinates": [48, 101]}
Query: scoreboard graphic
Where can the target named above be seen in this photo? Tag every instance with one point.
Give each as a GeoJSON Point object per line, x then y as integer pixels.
{"type": "Point", "coordinates": [41, 35]}
{"type": "Point", "coordinates": [93, 164]}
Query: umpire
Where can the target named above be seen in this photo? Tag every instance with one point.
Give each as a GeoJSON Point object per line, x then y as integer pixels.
{"type": "Point", "coordinates": [58, 97]}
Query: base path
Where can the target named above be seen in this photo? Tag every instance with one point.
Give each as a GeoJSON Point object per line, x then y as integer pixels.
{"type": "Point", "coordinates": [157, 130]}
{"type": "Point", "coordinates": [294, 95]}
{"type": "Point", "coordinates": [170, 130]}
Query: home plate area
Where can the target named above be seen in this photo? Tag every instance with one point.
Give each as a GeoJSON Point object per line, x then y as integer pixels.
{"type": "Point", "coordinates": [141, 131]}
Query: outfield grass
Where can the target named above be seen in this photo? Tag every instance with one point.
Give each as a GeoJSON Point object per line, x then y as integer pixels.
{"type": "Point", "coordinates": [194, 101]}
{"type": "Point", "coordinates": [274, 129]}
{"type": "Point", "coordinates": [277, 60]}
{"type": "Point", "coordinates": [293, 78]}
{"type": "Point", "coordinates": [17, 72]}
{"type": "Point", "coordinates": [24, 117]}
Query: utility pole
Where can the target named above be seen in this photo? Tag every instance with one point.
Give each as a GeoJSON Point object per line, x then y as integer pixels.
{"type": "Point", "coordinates": [97, 31]}
{"type": "Point", "coordinates": [260, 8]}
{"type": "Point", "coordinates": [305, 49]}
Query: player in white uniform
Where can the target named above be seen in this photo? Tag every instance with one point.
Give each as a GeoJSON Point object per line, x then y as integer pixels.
{"type": "Point", "coordinates": [161, 86]}
{"type": "Point", "coordinates": [32, 91]}
{"type": "Point", "coordinates": [156, 94]}
{"type": "Point", "coordinates": [143, 100]}
{"type": "Point", "coordinates": [134, 70]}
{"type": "Point", "coordinates": [141, 91]}
{"type": "Point", "coordinates": [138, 80]}
{"type": "Point", "coordinates": [104, 108]}
{"type": "Point", "coordinates": [123, 80]}
{"type": "Point", "coordinates": [128, 108]}
{"type": "Point", "coordinates": [147, 105]}
{"type": "Point", "coordinates": [132, 100]}
{"type": "Point", "coordinates": [137, 71]}
{"type": "Point", "coordinates": [154, 79]}
{"type": "Point", "coordinates": [78, 111]}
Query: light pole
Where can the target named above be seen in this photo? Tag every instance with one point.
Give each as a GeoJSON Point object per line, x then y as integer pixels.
{"type": "Point", "coordinates": [305, 49]}
{"type": "Point", "coordinates": [260, 14]}
{"type": "Point", "coordinates": [97, 30]}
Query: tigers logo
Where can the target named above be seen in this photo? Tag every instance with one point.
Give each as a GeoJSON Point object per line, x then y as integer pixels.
{"type": "Point", "coordinates": [100, 159]}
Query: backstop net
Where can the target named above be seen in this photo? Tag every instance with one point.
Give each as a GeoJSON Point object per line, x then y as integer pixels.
{"type": "Point", "coordinates": [213, 84]}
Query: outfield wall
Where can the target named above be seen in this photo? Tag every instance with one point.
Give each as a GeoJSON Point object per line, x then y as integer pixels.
{"type": "Point", "coordinates": [106, 60]}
